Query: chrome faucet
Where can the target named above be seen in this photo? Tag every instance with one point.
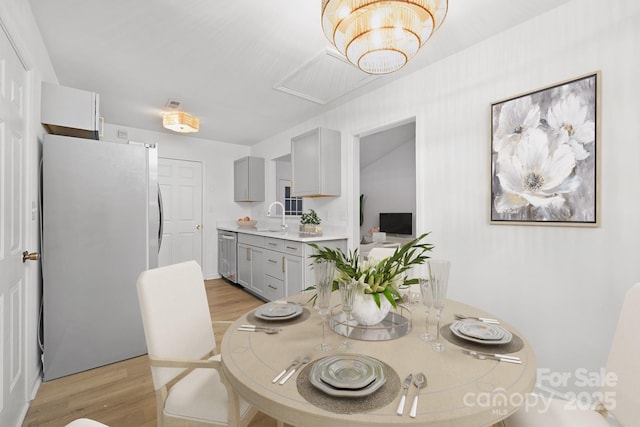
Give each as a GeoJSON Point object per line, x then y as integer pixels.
{"type": "Point", "coordinates": [284, 224]}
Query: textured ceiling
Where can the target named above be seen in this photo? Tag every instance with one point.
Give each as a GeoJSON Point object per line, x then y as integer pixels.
{"type": "Point", "coordinates": [223, 59]}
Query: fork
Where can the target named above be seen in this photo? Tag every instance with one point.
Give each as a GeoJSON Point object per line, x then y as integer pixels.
{"type": "Point", "coordinates": [482, 356]}
{"type": "Point", "coordinates": [249, 326]}
{"type": "Point", "coordinates": [481, 319]}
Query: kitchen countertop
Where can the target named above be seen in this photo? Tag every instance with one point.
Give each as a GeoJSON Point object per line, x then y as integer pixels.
{"type": "Point", "coordinates": [291, 234]}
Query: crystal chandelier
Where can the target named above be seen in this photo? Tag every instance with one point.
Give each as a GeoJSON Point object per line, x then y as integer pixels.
{"type": "Point", "coordinates": [380, 36]}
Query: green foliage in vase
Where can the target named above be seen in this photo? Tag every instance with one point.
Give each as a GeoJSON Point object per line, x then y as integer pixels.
{"type": "Point", "coordinates": [376, 277]}
{"type": "Point", "coordinates": [310, 218]}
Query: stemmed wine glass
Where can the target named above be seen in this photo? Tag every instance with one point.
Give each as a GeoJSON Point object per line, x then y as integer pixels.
{"type": "Point", "coordinates": [427, 300]}
{"type": "Point", "coordinates": [438, 279]}
{"type": "Point", "coordinates": [324, 271]}
{"type": "Point", "coordinates": [347, 291]}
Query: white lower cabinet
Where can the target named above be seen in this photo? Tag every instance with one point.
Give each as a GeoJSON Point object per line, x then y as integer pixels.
{"type": "Point", "coordinates": [251, 266]}
{"type": "Point", "coordinates": [309, 275]}
{"type": "Point", "coordinates": [294, 274]}
{"type": "Point", "coordinates": [282, 272]}
{"type": "Point", "coordinates": [273, 268]}
{"type": "Point", "coordinates": [273, 288]}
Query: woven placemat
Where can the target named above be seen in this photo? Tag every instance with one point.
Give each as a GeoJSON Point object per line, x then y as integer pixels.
{"type": "Point", "coordinates": [516, 343]}
{"type": "Point", "coordinates": [251, 318]}
{"type": "Point", "coordinates": [349, 405]}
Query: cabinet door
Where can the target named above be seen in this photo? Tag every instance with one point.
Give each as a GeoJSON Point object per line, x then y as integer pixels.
{"type": "Point", "coordinates": [244, 265]}
{"type": "Point", "coordinates": [305, 164]}
{"type": "Point", "coordinates": [293, 274]}
{"type": "Point", "coordinates": [248, 179]}
{"type": "Point", "coordinates": [257, 270]}
{"type": "Point", "coordinates": [70, 111]}
{"type": "Point", "coordinates": [256, 179]}
{"type": "Point", "coordinates": [309, 274]}
{"type": "Point", "coordinates": [315, 163]}
{"type": "Point", "coordinates": [241, 179]}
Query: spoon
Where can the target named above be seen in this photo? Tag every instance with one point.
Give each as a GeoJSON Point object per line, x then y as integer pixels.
{"type": "Point", "coordinates": [419, 380]}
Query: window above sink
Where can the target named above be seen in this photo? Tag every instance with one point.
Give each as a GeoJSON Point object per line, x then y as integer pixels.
{"type": "Point", "coordinates": [293, 205]}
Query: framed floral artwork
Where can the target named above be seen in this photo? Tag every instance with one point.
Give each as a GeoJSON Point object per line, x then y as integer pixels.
{"type": "Point", "coordinates": [544, 155]}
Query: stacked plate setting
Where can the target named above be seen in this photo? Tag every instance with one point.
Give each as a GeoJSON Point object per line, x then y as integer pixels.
{"type": "Point", "coordinates": [278, 311]}
{"type": "Point", "coordinates": [348, 375]}
{"type": "Point", "coordinates": [480, 332]}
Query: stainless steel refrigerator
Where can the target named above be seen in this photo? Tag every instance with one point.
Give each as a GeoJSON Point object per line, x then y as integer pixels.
{"type": "Point", "coordinates": [101, 218]}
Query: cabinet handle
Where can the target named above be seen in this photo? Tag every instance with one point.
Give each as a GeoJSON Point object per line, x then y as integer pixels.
{"type": "Point", "coordinates": [272, 287]}
{"type": "Point", "coordinates": [272, 244]}
{"type": "Point", "coordinates": [292, 248]}
{"type": "Point", "coordinates": [248, 254]}
{"type": "Point", "coordinates": [283, 264]}
{"type": "Point", "coordinates": [273, 261]}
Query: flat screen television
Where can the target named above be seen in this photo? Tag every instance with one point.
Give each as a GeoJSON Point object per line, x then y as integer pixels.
{"type": "Point", "coordinates": [396, 223]}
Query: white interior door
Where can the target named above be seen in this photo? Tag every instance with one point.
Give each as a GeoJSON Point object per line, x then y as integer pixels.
{"type": "Point", "coordinates": [181, 189]}
{"type": "Point", "coordinates": [13, 78]}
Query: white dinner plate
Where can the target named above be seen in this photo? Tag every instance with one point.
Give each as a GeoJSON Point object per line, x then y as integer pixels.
{"type": "Point", "coordinates": [455, 330]}
{"type": "Point", "coordinates": [378, 381]}
{"type": "Point", "coordinates": [278, 311]}
{"type": "Point", "coordinates": [347, 371]}
{"type": "Point", "coordinates": [481, 330]}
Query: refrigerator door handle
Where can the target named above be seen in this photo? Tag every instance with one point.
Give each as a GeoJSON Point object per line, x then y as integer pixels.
{"type": "Point", "coordinates": [161, 222]}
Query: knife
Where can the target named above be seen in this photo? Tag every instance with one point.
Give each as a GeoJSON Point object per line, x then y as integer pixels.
{"type": "Point", "coordinates": [405, 389]}
{"type": "Point", "coordinates": [295, 368]}
{"type": "Point", "coordinates": [490, 355]}
{"type": "Point", "coordinates": [500, 359]}
{"type": "Point", "coordinates": [294, 363]}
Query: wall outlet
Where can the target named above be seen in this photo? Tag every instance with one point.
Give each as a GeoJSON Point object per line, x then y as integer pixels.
{"type": "Point", "coordinates": [122, 134]}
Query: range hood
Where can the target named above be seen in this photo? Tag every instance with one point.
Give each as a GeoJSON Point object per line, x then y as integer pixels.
{"type": "Point", "coordinates": [70, 112]}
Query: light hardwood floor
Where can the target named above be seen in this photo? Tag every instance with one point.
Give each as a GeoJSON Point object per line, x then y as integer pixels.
{"type": "Point", "coordinates": [121, 394]}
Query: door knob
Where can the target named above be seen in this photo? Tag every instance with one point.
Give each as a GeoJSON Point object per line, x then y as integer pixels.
{"type": "Point", "coordinates": [33, 256]}
{"type": "Point", "coordinates": [198, 227]}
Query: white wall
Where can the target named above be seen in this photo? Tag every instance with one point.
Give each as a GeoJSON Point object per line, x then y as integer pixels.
{"type": "Point", "coordinates": [17, 20]}
{"type": "Point", "coordinates": [217, 165]}
{"type": "Point", "coordinates": [561, 286]}
{"type": "Point", "coordinates": [389, 185]}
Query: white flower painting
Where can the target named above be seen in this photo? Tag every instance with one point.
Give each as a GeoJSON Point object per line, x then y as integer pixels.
{"type": "Point", "coordinates": [543, 156]}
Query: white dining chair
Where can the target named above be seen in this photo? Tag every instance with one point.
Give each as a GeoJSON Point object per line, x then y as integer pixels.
{"type": "Point", "coordinates": [85, 422]}
{"type": "Point", "coordinates": [181, 343]}
{"type": "Point", "coordinates": [624, 357]}
{"type": "Point", "coordinates": [380, 253]}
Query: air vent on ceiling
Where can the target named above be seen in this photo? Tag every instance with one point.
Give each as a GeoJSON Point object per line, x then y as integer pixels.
{"type": "Point", "coordinates": [323, 78]}
{"type": "Point", "coordinates": [173, 104]}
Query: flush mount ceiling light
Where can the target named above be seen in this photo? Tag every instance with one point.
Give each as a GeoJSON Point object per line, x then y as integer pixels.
{"type": "Point", "coordinates": [179, 121]}
{"type": "Point", "coordinates": [380, 36]}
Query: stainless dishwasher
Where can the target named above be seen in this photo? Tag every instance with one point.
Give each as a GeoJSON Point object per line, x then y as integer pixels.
{"type": "Point", "coordinates": [227, 255]}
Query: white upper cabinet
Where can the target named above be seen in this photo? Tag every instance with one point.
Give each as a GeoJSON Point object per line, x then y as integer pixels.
{"type": "Point", "coordinates": [248, 179]}
{"type": "Point", "coordinates": [315, 163]}
{"type": "Point", "coordinates": [70, 112]}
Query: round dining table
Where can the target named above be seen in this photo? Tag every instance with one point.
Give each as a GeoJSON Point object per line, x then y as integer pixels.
{"type": "Point", "coordinates": [461, 390]}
